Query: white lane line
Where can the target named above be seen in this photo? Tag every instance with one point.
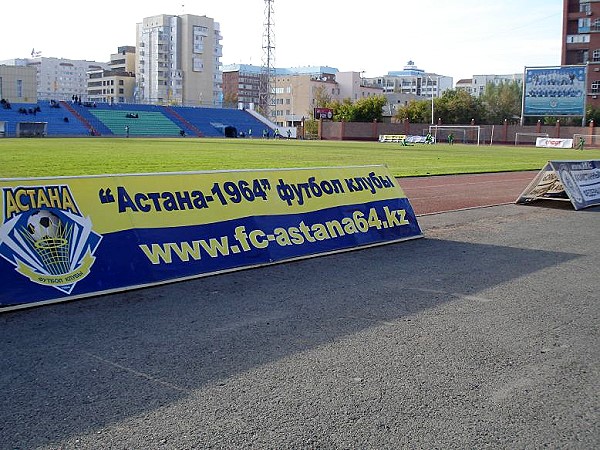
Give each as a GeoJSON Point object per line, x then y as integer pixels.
{"type": "Point", "coordinates": [136, 372]}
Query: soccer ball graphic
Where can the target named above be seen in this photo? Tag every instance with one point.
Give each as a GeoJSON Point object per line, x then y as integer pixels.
{"type": "Point", "coordinates": [43, 224]}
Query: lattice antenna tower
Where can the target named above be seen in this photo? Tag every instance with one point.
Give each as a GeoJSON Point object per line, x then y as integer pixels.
{"type": "Point", "coordinates": [266, 95]}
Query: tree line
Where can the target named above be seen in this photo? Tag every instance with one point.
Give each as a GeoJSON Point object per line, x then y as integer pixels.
{"type": "Point", "coordinates": [497, 103]}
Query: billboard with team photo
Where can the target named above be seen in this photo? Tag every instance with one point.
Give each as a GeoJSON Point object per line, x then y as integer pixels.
{"type": "Point", "coordinates": [554, 91]}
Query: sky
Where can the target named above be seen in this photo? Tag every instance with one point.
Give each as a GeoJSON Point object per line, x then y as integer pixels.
{"type": "Point", "coordinates": [456, 38]}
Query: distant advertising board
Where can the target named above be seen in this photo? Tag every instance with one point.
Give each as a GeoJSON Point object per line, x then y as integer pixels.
{"type": "Point", "coordinates": [554, 91]}
{"type": "Point", "coordinates": [323, 113]}
{"type": "Point", "coordinates": [65, 238]}
{"type": "Point", "coordinates": [553, 143]}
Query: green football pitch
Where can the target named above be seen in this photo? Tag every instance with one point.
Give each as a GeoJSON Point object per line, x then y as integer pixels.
{"type": "Point", "coordinates": [20, 158]}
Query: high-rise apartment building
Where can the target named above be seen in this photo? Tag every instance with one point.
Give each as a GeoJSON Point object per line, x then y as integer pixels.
{"type": "Point", "coordinates": [581, 24]}
{"type": "Point", "coordinates": [178, 60]}
{"type": "Point", "coordinates": [581, 42]}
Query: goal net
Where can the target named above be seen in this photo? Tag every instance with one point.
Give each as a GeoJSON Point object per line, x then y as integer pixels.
{"type": "Point", "coordinates": [528, 138]}
{"type": "Point", "coordinates": [589, 140]}
{"type": "Point", "coordinates": [465, 134]}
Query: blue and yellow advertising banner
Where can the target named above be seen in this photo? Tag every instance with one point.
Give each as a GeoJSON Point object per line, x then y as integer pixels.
{"type": "Point", "coordinates": [65, 238]}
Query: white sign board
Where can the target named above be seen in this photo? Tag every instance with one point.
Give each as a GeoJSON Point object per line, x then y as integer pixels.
{"type": "Point", "coordinates": [553, 143]}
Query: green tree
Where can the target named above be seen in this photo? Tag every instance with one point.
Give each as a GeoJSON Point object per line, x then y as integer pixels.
{"type": "Point", "coordinates": [311, 128]}
{"type": "Point", "coordinates": [230, 100]}
{"type": "Point", "coordinates": [416, 111]}
{"type": "Point", "coordinates": [322, 97]}
{"type": "Point", "coordinates": [368, 109]}
{"type": "Point", "coordinates": [502, 101]}
{"type": "Point", "coordinates": [342, 111]}
{"type": "Point", "coordinates": [593, 114]}
{"type": "Point", "coordinates": [458, 107]}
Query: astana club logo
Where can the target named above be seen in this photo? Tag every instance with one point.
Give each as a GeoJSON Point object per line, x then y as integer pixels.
{"type": "Point", "coordinates": [45, 236]}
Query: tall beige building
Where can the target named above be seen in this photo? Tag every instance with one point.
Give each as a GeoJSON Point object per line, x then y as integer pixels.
{"type": "Point", "coordinates": [178, 61]}
{"type": "Point", "coordinates": [298, 92]}
{"type": "Point", "coordinates": [18, 84]}
{"type": "Point", "coordinates": [117, 84]}
{"type": "Point", "coordinates": [296, 95]}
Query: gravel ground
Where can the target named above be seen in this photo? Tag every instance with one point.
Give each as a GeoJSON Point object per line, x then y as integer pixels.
{"type": "Point", "coordinates": [483, 334]}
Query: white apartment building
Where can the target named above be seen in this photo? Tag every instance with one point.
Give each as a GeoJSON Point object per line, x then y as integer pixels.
{"type": "Point", "coordinates": [414, 81]}
{"type": "Point", "coordinates": [59, 78]}
{"type": "Point", "coordinates": [476, 85]}
{"type": "Point", "coordinates": [178, 60]}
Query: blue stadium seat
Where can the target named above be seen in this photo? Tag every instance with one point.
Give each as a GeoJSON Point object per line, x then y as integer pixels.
{"type": "Point", "coordinates": [70, 119]}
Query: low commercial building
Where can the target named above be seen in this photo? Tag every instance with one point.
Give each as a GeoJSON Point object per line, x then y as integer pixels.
{"type": "Point", "coordinates": [116, 84]}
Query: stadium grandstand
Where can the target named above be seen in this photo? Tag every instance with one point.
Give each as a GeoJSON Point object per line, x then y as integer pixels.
{"type": "Point", "coordinates": [76, 119]}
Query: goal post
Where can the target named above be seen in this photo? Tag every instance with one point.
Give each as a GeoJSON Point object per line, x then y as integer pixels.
{"type": "Point", "coordinates": [462, 133]}
{"type": "Point", "coordinates": [529, 138]}
{"type": "Point", "coordinates": [589, 140]}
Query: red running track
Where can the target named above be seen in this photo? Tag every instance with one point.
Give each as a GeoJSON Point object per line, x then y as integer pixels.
{"type": "Point", "coordinates": [435, 194]}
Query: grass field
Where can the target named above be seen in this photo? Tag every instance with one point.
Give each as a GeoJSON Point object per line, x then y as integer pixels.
{"type": "Point", "coordinates": [55, 157]}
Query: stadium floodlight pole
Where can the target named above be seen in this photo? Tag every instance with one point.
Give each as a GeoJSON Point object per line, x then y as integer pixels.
{"type": "Point", "coordinates": [431, 79]}
{"type": "Point", "coordinates": [431, 102]}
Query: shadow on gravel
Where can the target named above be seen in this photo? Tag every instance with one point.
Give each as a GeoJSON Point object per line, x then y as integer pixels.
{"type": "Point", "coordinates": [76, 367]}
